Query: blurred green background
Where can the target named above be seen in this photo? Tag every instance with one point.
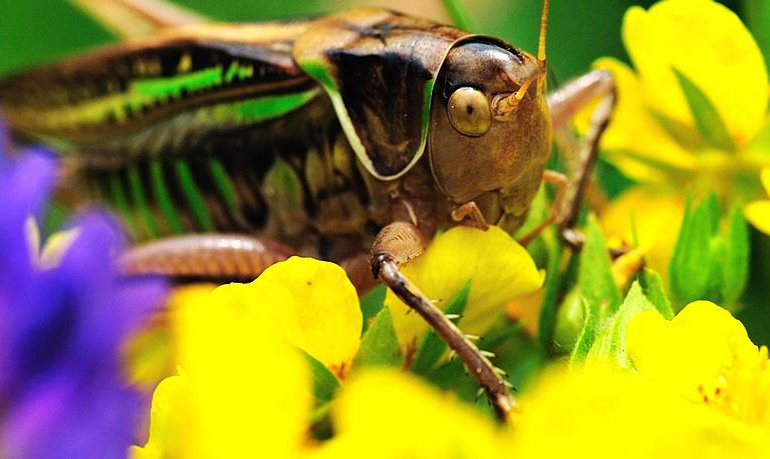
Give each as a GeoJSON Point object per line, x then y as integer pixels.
{"type": "Point", "coordinates": [36, 31]}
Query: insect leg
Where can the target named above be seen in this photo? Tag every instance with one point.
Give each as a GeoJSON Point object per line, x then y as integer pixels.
{"type": "Point", "coordinates": [137, 18]}
{"type": "Point", "coordinates": [563, 105]}
{"type": "Point", "coordinates": [395, 244]}
{"type": "Point", "coordinates": [213, 256]}
{"type": "Point", "coordinates": [561, 182]}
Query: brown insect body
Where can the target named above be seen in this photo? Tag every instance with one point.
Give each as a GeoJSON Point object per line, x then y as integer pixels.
{"type": "Point", "coordinates": [297, 174]}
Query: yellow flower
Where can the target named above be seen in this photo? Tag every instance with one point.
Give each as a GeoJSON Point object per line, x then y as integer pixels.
{"type": "Point", "coordinates": [656, 138]}
{"type": "Point", "coordinates": [240, 392]}
{"type": "Point", "coordinates": [602, 412]}
{"type": "Point", "coordinates": [654, 135]}
{"type": "Point", "coordinates": [498, 268]}
{"type": "Point", "coordinates": [646, 217]}
{"type": "Point", "coordinates": [705, 356]}
{"type": "Point", "coordinates": [758, 212]}
{"type": "Point", "coordinates": [311, 304]}
{"type": "Point", "coordinates": [386, 414]}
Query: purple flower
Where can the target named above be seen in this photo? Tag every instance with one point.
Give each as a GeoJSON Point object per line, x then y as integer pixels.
{"type": "Point", "coordinates": [61, 389]}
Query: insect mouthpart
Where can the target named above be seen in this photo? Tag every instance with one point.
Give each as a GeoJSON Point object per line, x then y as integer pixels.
{"type": "Point", "coordinates": [504, 105]}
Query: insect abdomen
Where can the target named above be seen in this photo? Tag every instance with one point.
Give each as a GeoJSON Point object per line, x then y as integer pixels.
{"type": "Point", "coordinates": [286, 178]}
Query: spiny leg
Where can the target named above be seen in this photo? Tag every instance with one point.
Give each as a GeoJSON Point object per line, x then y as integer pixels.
{"type": "Point", "coordinates": [563, 105]}
{"type": "Point", "coordinates": [208, 256]}
{"type": "Point", "coordinates": [401, 241]}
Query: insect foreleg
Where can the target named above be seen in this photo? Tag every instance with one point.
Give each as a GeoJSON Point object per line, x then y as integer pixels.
{"type": "Point", "coordinates": [563, 105]}
{"type": "Point", "coordinates": [401, 241]}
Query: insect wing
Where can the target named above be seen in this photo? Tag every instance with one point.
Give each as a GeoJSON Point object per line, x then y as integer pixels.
{"type": "Point", "coordinates": [379, 68]}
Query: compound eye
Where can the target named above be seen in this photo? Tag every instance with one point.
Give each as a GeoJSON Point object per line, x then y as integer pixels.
{"type": "Point", "coordinates": [469, 111]}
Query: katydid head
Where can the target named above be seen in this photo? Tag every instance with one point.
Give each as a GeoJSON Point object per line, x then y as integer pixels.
{"type": "Point", "coordinates": [490, 132]}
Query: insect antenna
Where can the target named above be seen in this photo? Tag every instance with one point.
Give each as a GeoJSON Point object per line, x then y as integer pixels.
{"type": "Point", "coordinates": [543, 27]}
{"type": "Point", "coordinates": [504, 106]}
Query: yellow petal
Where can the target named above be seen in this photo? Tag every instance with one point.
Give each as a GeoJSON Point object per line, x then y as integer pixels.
{"type": "Point", "coordinates": [151, 354]}
{"type": "Point", "coordinates": [310, 304]}
{"type": "Point", "coordinates": [250, 393]}
{"type": "Point", "coordinates": [634, 140]}
{"type": "Point", "coordinates": [526, 310]}
{"type": "Point", "coordinates": [758, 214]}
{"type": "Point", "coordinates": [647, 217]}
{"type": "Point", "coordinates": [707, 43]}
{"type": "Point", "coordinates": [497, 266]}
{"type": "Point", "coordinates": [705, 356]}
{"type": "Point", "coordinates": [172, 422]}
{"type": "Point", "coordinates": [602, 413]}
{"type": "Point", "coordinates": [388, 414]}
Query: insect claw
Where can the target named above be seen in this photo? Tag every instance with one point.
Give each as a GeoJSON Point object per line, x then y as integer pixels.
{"type": "Point", "coordinates": [453, 316]}
{"type": "Point", "coordinates": [473, 338]}
{"type": "Point", "coordinates": [479, 393]}
{"type": "Point", "coordinates": [452, 355]}
{"type": "Point", "coordinates": [508, 384]}
{"type": "Point", "coordinates": [488, 354]}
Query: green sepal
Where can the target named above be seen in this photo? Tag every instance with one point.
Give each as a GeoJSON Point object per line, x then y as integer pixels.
{"type": "Point", "coordinates": [595, 281]}
{"type": "Point", "coordinates": [610, 340]}
{"type": "Point", "coordinates": [707, 264]}
{"type": "Point", "coordinates": [432, 347]}
{"type": "Point", "coordinates": [707, 118]}
{"type": "Point", "coordinates": [587, 335]}
{"type": "Point", "coordinates": [690, 264]}
{"type": "Point", "coordinates": [379, 345]}
{"type": "Point", "coordinates": [735, 272]}
{"type": "Point", "coordinates": [570, 322]}
{"type": "Point", "coordinates": [599, 295]}
{"type": "Point", "coordinates": [652, 285]}
{"type": "Point", "coordinates": [372, 303]}
{"type": "Point", "coordinates": [325, 384]}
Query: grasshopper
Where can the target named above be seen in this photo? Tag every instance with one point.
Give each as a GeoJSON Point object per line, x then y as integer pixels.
{"type": "Point", "coordinates": [352, 137]}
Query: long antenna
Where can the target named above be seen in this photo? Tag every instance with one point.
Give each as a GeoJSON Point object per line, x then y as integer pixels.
{"type": "Point", "coordinates": [543, 27]}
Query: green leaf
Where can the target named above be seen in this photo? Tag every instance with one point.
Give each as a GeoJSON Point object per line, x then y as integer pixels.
{"type": "Point", "coordinates": [595, 281]}
{"type": "Point", "coordinates": [325, 384]}
{"type": "Point", "coordinates": [691, 261]}
{"type": "Point", "coordinates": [735, 271]}
{"type": "Point", "coordinates": [371, 304]}
{"type": "Point", "coordinates": [587, 335]}
{"type": "Point", "coordinates": [654, 291]}
{"type": "Point", "coordinates": [379, 345]}
{"type": "Point", "coordinates": [707, 118]}
{"type": "Point", "coordinates": [432, 347]}
{"type": "Point", "coordinates": [610, 342]}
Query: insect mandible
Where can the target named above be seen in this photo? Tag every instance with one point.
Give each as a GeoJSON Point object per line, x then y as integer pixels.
{"type": "Point", "coordinates": [352, 137]}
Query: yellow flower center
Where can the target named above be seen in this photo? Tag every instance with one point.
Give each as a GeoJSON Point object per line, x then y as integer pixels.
{"type": "Point", "coordinates": [741, 390]}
